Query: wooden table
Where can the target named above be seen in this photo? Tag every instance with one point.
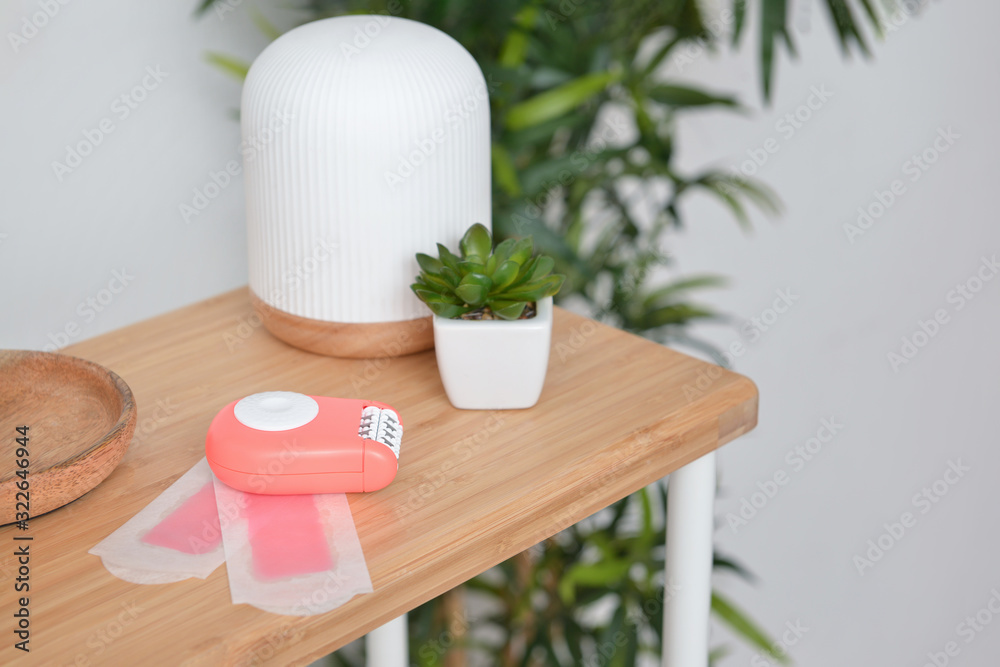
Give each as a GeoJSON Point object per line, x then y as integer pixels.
{"type": "Point", "coordinates": [474, 488]}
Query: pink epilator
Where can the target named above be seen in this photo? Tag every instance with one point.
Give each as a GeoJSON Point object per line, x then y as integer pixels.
{"type": "Point", "coordinates": [281, 442]}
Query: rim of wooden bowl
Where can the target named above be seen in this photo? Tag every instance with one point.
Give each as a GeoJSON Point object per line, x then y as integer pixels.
{"type": "Point", "coordinates": [120, 432]}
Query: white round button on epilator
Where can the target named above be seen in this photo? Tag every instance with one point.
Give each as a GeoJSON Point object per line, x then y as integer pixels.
{"type": "Point", "coordinates": [276, 410]}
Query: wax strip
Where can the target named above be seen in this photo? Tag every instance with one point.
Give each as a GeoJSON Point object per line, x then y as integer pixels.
{"type": "Point", "coordinates": [294, 555]}
{"type": "Point", "coordinates": [175, 537]}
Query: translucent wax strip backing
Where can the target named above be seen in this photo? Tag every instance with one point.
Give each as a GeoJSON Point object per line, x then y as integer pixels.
{"type": "Point", "coordinates": [296, 555]}
{"type": "Point", "coordinates": [175, 537]}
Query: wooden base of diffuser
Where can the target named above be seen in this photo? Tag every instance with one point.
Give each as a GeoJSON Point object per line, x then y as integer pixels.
{"type": "Point", "coordinates": [351, 340]}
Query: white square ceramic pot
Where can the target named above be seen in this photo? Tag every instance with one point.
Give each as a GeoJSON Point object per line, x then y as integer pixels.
{"type": "Point", "coordinates": [494, 364]}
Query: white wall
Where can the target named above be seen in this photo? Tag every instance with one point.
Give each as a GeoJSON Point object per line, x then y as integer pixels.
{"type": "Point", "coordinates": [66, 233]}
{"type": "Point", "coordinates": [825, 357]}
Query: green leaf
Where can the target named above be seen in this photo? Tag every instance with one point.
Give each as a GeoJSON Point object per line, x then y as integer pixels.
{"type": "Point", "coordinates": [203, 7]}
{"type": "Point", "coordinates": [760, 194]}
{"type": "Point", "coordinates": [437, 283]}
{"type": "Point", "coordinates": [674, 314]}
{"type": "Point", "coordinates": [448, 259]}
{"type": "Point", "coordinates": [716, 654]}
{"type": "Point", "coordinates": [505, 275]}
{"type": "Point", "coordinates": [872, 16]}
{"type": "Point", "coordinates": [429, 264]}
{"type": "Point", "coordinates": [504, 249]}
{"type": "Point", "coordinates": [603, 574]}
{"type": "Point", "coordinates": [504, 172]}
{"type": "Point", "coordinates": [554, 283]}
{"type": "Point", "coordinates": [236, 68]}
{"type": "Point", "coordinates": [447, 310]}
{"type": "Point", "coordinates": [725, 194]}
{"type": "Point", "coordinates": [659, 295]}
{"type": "Point", "coordinates": [524, 275]}
{"type": "Point", "coordinates": [471, 265]}
{"type": "Point", "coordinates": [474, 289]}
{"type": "Point", "coordinates": [847, 27]}
{"type": "Point", "coordinates": [737, 620]}
{"type": "Point", "coordinates": [650, 68]}
{"type": "Point", "coordinates": [773, 26]}
{"type": "Point", "coordinates": [533, 291]}
{"type": "Point", "coordinates": [476, 242]}
{"type": "Point", "coordinates": [729, 188]}
{"type": "Point", "coordinates": [423, 284]}
{"type": "Point", "coordinates": [722, 563]}
{"type": "Point", "coordinates": [543, 267]}
{"type": "Point", "coordinates": [430, 296]}
{"type": "Point", "coordinates": [515, 47]}
{"type": "Point", "coordinates": [522, 250]}
{"type": "Point", "coordinates": [739, 19]}
{"type": "Point", "coordinates": [270, 30]}
{"type": "Point", "coordinates": [686, 96]}
{"type": "Point", "coordinates": [559, 100]}
{"type": "Point", "coordinates": [508, 310]}
{"type": "Point", "coordinates": [451, 275]}
{"type": "Point", "coordinates": [546, 175]}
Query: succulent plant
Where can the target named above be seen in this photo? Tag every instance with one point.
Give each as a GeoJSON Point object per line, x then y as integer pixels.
{"type": "Point", "coordinates": [501, 282]}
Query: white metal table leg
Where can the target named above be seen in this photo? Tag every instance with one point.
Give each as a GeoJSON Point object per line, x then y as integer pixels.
{"type": "Point", "coordinates": [388, 645]}
{"type": "Point", "coordinates": [690, 502]}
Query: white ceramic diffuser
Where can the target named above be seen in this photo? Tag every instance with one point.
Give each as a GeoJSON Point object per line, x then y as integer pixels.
{"type": "Point", "coordinates": [366, 139]}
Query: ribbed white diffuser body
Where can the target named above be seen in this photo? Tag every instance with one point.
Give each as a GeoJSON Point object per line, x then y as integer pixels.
{"type": "Point", "coordinates": [366, 139]}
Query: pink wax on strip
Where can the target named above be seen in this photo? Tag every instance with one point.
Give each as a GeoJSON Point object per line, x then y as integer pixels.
{"type": "Point", "coordinates": [192, 528]}
{"type": "Point", "coordinates": [286, 536]}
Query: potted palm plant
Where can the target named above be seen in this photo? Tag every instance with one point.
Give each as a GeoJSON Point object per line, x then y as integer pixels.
{"type": "Point", "coordinates": [492, 319]}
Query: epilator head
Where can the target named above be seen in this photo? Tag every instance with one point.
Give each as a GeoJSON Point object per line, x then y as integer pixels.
{"type": "Point", "coordinates": [281, 442]}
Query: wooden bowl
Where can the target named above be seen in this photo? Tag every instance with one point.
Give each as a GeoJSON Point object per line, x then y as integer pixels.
{"type": "Point", "coordinates": [80, 418]}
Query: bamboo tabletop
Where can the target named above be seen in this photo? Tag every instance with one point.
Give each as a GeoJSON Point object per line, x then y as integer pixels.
{"type": "Point", "coordinates": [473, 489]}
